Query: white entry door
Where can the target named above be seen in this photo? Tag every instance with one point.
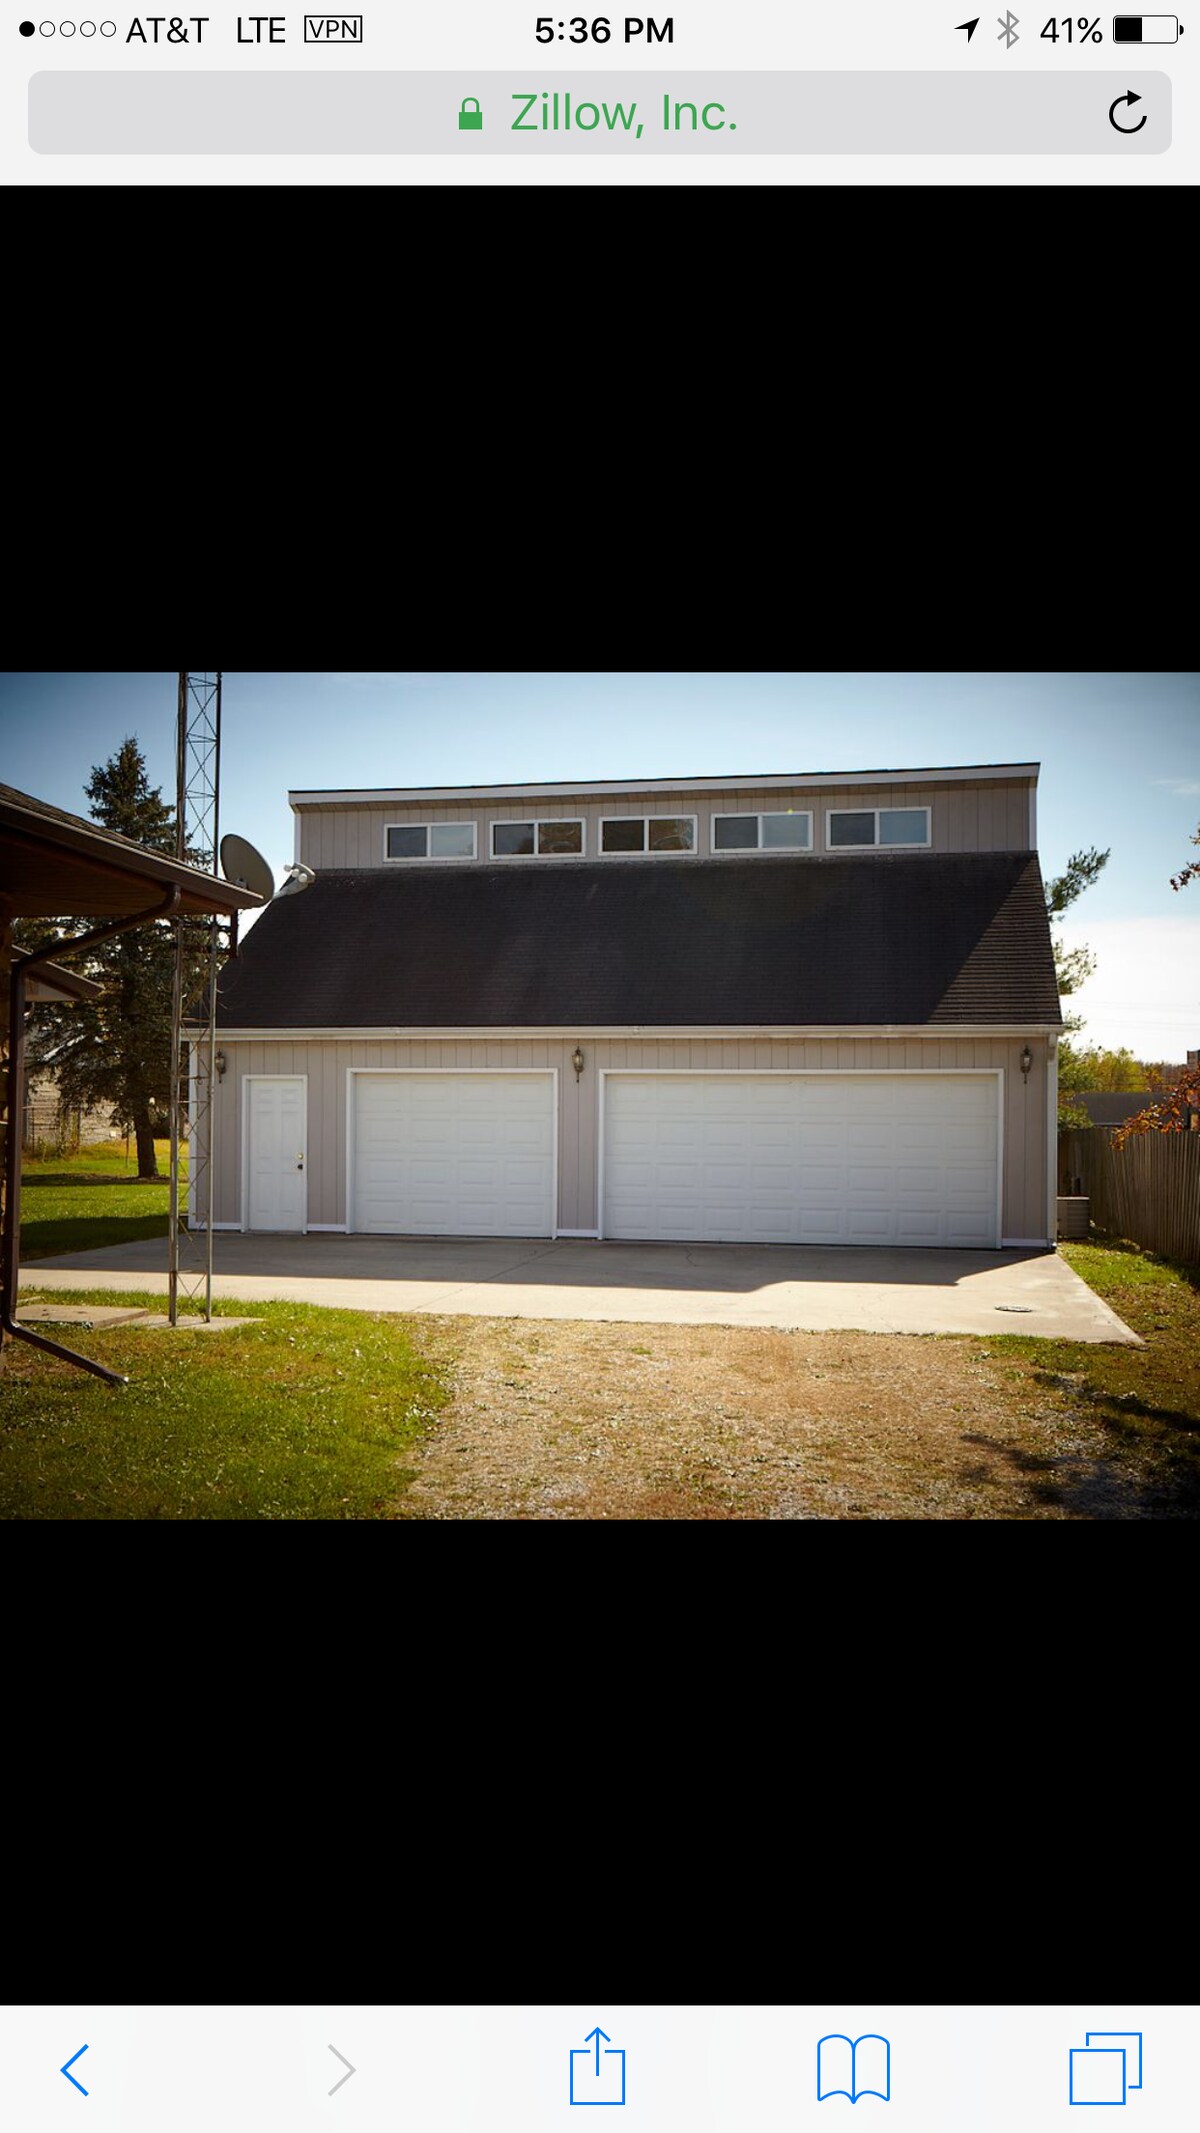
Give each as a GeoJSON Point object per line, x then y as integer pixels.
{"type": "Point", "coordinates": [803, 1158]}
{"type": "Point", "coordinates": [276, 1151]}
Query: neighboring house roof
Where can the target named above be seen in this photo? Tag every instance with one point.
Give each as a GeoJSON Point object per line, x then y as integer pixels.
{"type": "Point", "coordinates": [910, 937]}
{"type": "Point", "coordinates": [51, 982]}
{"type": "Point", "coordinates": [45, 1110]}
{"type": "Point", "coordinates": [52, 864]}
{"type": "Point", "coordinates": [1110, 1107]}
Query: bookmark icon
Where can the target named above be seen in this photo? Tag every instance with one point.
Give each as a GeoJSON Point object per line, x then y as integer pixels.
{"type": "Point", "coordinates": [854, 2067]}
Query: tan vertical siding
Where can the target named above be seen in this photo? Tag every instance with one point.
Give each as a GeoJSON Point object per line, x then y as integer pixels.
{"type": "Point", "coordinates": [326, 1061]}
{"type": "Point", "coordinates": [989, 816]}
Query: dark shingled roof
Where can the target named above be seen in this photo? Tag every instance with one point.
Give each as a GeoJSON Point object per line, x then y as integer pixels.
{"type": "Point", "coordinates": [1111, 1107]}
{"type": "Point", "coordinates": [897, 937]}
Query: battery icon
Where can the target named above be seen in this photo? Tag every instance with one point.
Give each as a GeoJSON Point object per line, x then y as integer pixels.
{"type": "Point", "coordinates": [1145, 29]}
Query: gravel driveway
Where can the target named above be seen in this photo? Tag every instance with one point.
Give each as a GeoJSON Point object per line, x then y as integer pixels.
{"type": "Point", "coordinates": [579, 1420]}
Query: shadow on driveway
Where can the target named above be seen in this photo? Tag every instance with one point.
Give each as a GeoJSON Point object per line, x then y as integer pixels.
{"type": "Point", "coordinates": [809, 1287]}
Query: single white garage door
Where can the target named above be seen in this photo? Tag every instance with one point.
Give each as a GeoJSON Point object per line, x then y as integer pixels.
{"type": "Point", "coordinates": [453, 1155]}
{"type": "Point", "coordinates": [802, 1158]}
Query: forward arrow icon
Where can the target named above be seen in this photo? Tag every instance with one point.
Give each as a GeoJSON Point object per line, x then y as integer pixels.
{"type": "Point", "coordinates": [349, 2070]}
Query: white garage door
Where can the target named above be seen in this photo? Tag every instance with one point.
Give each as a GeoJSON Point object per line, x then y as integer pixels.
{"type": "Point", "coordinates": [802, 1158]}
{"type": "Point", "coordinates": [453, 1155]}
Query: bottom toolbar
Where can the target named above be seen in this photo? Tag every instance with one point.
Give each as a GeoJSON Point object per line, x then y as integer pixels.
{"type": "Point", "coordinates": [521, 2069]}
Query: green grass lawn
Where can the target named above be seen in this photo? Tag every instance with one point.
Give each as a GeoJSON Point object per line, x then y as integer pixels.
{"type": "Point", "coordinates": [79, 1202]}
{"type": "Point", "coordinates": [312, 1413]}
{"type": "Point", "coordinates": [1145, 1400]}
{"type": "Point", "coordinates": [306, 1414]}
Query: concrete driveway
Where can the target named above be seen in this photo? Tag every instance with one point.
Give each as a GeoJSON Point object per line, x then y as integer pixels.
{"type": "Point", "coordinates": [810, 1288]}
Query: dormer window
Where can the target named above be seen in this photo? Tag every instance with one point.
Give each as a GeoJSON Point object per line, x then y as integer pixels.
{"type": "Point", "coordinates": [537, 840]}
{"type": "Point", "coordinates": [857, 829]}
{"type": "Point", "coordinates": [648, 833]}
{"type": "Point", "coordinates": [429, 840]}
{"type": "Point", "coordinates": [790, 832]}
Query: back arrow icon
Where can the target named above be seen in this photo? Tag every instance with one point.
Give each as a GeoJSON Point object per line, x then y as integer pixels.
{"type": "Point", "coordinates": [1130, 97]}
{"type": "Point", "coordinates": [70, 2077]}
{"type": "Point", "coordinates": [345, 2077]}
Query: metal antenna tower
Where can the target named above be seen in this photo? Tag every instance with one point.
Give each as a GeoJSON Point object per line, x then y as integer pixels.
{"type": "Point", "coordinates": [194, 1006]}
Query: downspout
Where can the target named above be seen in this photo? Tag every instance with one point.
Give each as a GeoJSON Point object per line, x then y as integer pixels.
{"type": "Point", "coordinates": [55, 952]}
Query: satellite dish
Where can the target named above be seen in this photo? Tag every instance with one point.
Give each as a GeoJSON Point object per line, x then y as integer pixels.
{"type": "Point", "coordinates": [295, 878]}
{"type": "Point", "coordinates": [243, 863]}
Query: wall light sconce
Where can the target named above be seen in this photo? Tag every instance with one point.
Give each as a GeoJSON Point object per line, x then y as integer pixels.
{"type": "Point", "coordinates": [220, 1063]}
{"type": "Point", "coordinates": [1026, 1061]}
{"type": "Point", "coordinates": [577, 1061]}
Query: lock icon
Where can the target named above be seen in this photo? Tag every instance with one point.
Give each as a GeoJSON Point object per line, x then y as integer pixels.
{"type": "Point", "coordinates": [470, 121]}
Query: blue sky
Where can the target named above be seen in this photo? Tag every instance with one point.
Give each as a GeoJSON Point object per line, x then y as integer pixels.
{"type": "Point", "coordinates": [1120, 756]}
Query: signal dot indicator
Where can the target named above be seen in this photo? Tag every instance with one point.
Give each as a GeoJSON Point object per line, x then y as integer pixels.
{"type": "Point", "coordinates": [28, 28]}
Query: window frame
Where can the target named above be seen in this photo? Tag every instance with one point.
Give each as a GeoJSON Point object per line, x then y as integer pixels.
{"type": "Point", "coordinates": [427, 858]}
{"type": "Point", "coordinates": [504, 821]}
{"type": "Point", "coordinates": [645, 820]}
{"type": "Point", "coordinates": [754, 851]}
{"type": "Point", "coordinates": [922, 844]}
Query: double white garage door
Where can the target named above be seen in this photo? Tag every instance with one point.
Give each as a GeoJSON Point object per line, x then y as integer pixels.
{"type": "Point", "coordinates": [803, 1158]}
{"type": "Point", "coordinates": [743, 1158]}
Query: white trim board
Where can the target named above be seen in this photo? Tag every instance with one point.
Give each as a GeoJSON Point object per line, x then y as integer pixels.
{"type": "Point", "coordinates": [1052, 1139]}
{"type": "Point", "coordinates": [542, 1072]}
{"type": "Point", "coordinates": [614, 788]}
{"type": "Point", "coordinates": [806, 1074]}
{"type": "Point", "coordinates": [595, 1033]}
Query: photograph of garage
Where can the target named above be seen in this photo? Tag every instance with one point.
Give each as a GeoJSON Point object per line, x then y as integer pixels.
{"type": "Point", "coordinates": [768, 1009]}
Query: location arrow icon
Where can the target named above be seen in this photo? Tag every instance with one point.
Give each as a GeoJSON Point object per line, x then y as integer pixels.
{"type": "Point", "coordinates": [346, 2076]}
{"type": "Point", "coordinates": [969, 27]}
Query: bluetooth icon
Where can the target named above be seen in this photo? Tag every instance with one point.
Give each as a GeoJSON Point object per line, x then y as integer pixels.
{"type": "Point", "coordinates": [1008, 29]}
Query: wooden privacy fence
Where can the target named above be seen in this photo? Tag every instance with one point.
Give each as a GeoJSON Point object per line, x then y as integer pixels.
{"type": "Point", "coordinates": [1148, 1191]}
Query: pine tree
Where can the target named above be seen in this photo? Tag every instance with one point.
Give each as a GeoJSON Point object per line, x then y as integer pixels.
{"type": "Point", "coordinates": [1072, 968]}
{"type": "Point", "coordinates": [116, 1050]}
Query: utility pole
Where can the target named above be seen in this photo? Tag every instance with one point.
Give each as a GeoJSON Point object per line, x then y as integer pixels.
{"type": "Point", "coordinates": [194, 1012]}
